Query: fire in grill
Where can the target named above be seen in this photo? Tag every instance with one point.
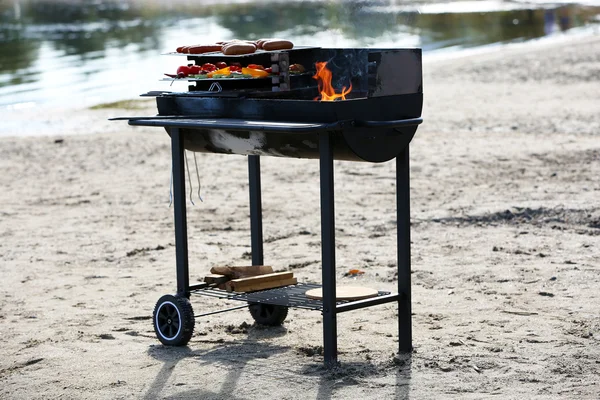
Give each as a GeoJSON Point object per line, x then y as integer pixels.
{"type": "Point", "coordinates": [356, 104]}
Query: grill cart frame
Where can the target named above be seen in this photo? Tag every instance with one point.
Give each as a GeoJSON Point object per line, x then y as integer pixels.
{"type": "Point", "coordinates": [289, 296]}
{"type": "Point", "coordinates": [278, 117]}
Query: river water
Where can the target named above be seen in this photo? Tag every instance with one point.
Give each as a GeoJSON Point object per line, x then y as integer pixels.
{"type": "Point", "coordinates": [78, 54]}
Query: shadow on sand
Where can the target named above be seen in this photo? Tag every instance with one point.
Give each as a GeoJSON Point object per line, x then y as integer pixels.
{"type": "Point", "coordinates": [237, 355]}
{"type": "Point", "coordinates": [222, 354]}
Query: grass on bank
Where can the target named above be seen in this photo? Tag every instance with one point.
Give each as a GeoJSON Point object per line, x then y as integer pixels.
{"type": "Point", "coordinates": [125, 105]}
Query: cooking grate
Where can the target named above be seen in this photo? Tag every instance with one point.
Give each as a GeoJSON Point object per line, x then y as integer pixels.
{"type": "Point", "coordinates": [289, 296]}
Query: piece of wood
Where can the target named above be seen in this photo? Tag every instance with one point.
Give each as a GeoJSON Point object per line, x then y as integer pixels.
{"type": "Point", "coordinates": [242, 272]}
{"type": "Point", "coordinates": [343, 293]}
{"type": "Point", "coordinates": [238, 285]}
{"type": "Point", "coordinates": [215, 278]}
{"type": "Point", "coordinates": [252, 287]}
{"type": "Point", "coordinates": [263, 278]}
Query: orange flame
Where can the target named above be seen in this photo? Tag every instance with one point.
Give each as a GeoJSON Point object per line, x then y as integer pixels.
{"type": "Point", "coordinates": [327, 91]}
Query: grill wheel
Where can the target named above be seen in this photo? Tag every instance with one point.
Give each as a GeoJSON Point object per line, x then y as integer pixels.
{"type": "Point", "coordinates": [173, 320]}
{"type": "Point", "coordinates": [268, 314]}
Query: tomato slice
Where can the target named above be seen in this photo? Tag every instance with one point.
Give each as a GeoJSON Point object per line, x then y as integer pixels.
{"type": "Point", "coordinates": [195, 69]}
{"type": "Point", "coordinates": [209, 67]}
{"type": "Point", "coordinates": [221, 64]}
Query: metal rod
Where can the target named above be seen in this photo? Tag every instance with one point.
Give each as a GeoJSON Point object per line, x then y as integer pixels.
{"type": "Point", "coordinates": [220, 311]}
{"type": "Point", "coordinates": [388, 124]}
{"type": "Point", "coordinates": [202, 285]}
{"type": "Point", "coordinates": [181, 245]}
{"type": "Point", "coordinates": [328, 249]}
{"type": "Point", "coordinates": [355, 305]}
{"type": "Point", "coordinates": [216, 294]}
{"type": "Point", "coordinates": [256, 231]}
{"type": "Point", "coordinates": [308, 128]}
{"type": "Point", "coordinates": [158, 117]}
{"type": "Point", "coordinates": [403, 221]}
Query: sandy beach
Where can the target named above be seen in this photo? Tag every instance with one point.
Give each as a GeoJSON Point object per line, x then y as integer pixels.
{"type": "Point", "coordinates": [505, 194]}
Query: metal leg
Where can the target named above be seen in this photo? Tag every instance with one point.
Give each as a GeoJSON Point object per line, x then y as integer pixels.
{"type": "Point", "coordinates": [181, 245]}
{"type": "Point", "coordinates": [256, 232]}
{"type": "Point", "coordinates": [403, 221]}
{"type": "Point", "coordinates": [328, 250]}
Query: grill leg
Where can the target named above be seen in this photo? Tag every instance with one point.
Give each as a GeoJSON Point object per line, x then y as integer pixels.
{"type": "Point", "coordinates": [328, 250]}
{"type": "Point", "coordinates": [256, 232]}
{"type": "Point", "coordinates": [403, 221]}
{"type": "Point", "coordinates": [181, 245]}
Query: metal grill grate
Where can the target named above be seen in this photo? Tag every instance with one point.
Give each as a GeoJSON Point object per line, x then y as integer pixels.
{"type": "Point", "coordinates": [289, 296]}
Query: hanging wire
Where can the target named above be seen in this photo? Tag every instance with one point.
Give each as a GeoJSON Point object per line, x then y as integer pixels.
{"type": "Point", "coordinates": [187, 168]}
{"type": "Point", "coordinates": [171, 188]}
{"type": "Point", "coordinates": [198, 175]}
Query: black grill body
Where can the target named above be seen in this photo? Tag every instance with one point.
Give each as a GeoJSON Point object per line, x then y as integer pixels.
{"type": "Point", "coordinates": [376, 122]}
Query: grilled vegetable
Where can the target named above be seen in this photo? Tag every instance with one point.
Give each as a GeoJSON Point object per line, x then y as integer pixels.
{"type": "Point", "coordinates": [297, 68]}
{"type": "Point", "coordinates": [257, 73]}
{"type": "Point", "coordinates": [221, 72]}
{"type": "Point", "coordinates": [184, 69]}
{"type": "Point", "coordinates": [194, 69]}
{"type": "Point", "coordinates": [209, 67]}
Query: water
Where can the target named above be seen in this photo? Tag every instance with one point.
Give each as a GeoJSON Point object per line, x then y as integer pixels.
{"type": "Point", "coordinates": [57, 54]}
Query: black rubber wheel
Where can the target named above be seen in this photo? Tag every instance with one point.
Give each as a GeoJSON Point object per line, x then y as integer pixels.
{"type": "Point", "coordinates": [173, 320]}
{"type": "Point", "coordinates": [268, 314]}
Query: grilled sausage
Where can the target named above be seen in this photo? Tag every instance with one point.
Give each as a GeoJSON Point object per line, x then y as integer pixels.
{"type": "Point", "coordinates": [277, 44]}
{"type": "Point", "coordinates": [203, 48]}
{"type": "Point", "coordinates": [260, 42]}
{"type": "Point", "coordinates": [238, 48]}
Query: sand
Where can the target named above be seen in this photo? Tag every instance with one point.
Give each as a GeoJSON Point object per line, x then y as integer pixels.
{"type": "Point", "coordinates": [506, 252]}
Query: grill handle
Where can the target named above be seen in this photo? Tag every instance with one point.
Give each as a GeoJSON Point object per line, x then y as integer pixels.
{"type": "Point", "coordinates": [388, 124]}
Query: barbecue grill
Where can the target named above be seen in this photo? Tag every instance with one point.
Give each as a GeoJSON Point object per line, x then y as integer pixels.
{"type": "Point", "coordinates": [279, 116]}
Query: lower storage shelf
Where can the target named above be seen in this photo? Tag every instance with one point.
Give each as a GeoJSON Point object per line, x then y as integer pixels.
{"type": "Point", "coordinates": [292, 296]}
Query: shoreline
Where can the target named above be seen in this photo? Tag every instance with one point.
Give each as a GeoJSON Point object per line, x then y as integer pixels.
{"type": "Point", "coordinates": [68, 121]}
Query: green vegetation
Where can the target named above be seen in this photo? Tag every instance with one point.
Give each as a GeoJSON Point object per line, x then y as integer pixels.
{"type": "Point", "coordinates": [125, 105]}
